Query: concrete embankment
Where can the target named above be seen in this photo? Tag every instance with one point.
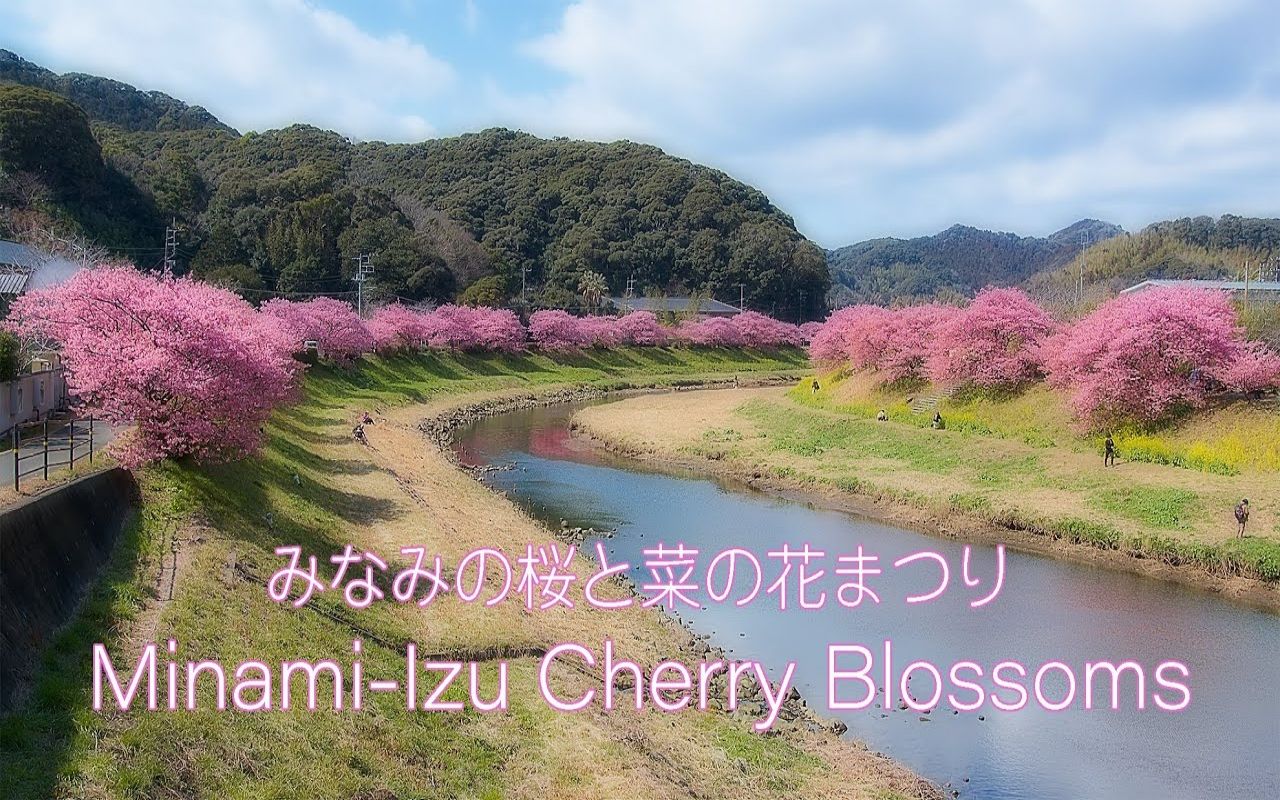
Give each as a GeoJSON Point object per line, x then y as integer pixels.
{"type": "Point", "coordinates": [51, 548]}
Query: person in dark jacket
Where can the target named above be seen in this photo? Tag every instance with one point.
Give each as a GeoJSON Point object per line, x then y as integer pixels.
{"type": "Point", "coordinates": [1109, 457]}
{"type": "Point", "coordinates": [1242, 516]}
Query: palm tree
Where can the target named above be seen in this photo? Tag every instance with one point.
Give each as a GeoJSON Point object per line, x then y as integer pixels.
{"type": "Point", "coordinates": [593, 287]}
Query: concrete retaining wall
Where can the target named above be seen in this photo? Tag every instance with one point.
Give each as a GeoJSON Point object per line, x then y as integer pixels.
{"type": "Point", "coordinates": [51, 548]}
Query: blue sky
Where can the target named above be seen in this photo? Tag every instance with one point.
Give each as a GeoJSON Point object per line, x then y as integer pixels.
{"type": "Point", "coordinates": [860, 119]}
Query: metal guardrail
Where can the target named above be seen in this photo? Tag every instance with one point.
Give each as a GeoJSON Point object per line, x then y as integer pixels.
{"type": "Point", "coordinates": [61, 443]}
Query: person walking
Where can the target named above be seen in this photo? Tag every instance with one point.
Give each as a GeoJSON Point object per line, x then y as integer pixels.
{"type": "Point", "coordinates": [1242, 516]}
{"type": "Point", "coordinates": [815, 386]}
{"type": "Point", "coordinates": [1109, 457]}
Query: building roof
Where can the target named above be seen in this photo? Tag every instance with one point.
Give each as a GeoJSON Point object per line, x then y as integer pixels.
{"type": "Point", "coordinates": [13, 282]}
{"type": "Point", "coordinates": [677, 305]}
{"type": "Point", "coordinates": [13, 254]}
{"type": "Point", "coordinates": [1225, 286]}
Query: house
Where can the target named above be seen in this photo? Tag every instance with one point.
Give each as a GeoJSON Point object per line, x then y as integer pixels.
{"type": "Point", "coordinates": [17, 264]}
{"type": "Point", "coordinates": [24, 268]}
{"type": "Point", "coordinates": [706, 307]}
{"type": "Point", "coordinates": [1266, 291]}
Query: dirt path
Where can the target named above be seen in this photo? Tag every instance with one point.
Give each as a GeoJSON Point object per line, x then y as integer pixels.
{"type": "Point", "coordinates": [707, 430]}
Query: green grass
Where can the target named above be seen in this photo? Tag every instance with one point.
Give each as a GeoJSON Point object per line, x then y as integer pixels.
{"type": "Point", "coordinates": [56, 744]}
{"type": "Point", "coordinates": [1157, 506]}
{"type": "Point", "coordinates": [996, 449]}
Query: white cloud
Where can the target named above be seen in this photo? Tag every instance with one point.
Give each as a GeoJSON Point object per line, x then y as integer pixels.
{"type": "Point", "coordinates": [255, 63]}
{"type": "Point", "coordinates": [870, 118]}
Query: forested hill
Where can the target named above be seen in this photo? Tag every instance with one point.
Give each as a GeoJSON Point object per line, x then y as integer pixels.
{"type": "Point", "coordinates": [289, 210]}
{"type": "Point", "coordinates": [110, 101]}
{"type": "Point", "coordinates": [1191, 247]}
{"type": "Point", "coordinates": [959, 260]}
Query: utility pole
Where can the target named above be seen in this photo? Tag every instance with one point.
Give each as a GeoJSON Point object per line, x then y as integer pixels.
{"type": "Point", "coordinates": [631, 286]}
{"type": "Point", "coordinates": [524, 284]}
{"type": "Point", "coordinates": [171, 246]}
{"type": "Point", "coordinates": [742, 297]}
{"type": "Point", "coordinates": [363, 270]}
{"type": "Point", "coordinates": [1084, 247]}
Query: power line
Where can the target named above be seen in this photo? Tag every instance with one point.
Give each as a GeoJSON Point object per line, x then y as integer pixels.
{"type": "Point", "coordinates": [171, 246]}
{"type": "Point", "coordinates": [363, 270]}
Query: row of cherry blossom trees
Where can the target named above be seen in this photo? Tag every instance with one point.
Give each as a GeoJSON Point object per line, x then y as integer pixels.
{"type": "Point", "coordinates": [198, 370]}
{"type": "Point", "coordinates": [1136, 358]}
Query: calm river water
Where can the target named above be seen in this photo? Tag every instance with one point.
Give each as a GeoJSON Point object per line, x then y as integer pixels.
{"type": "Point", "coordinates": [1225, 745]}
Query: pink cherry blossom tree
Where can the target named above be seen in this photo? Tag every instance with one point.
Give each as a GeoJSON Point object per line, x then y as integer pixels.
{"type": "Point", "coordinates": [907, 340]}
{"type": "Point", "coordinates": [993, 343]}
{"type": "Point", "coordinates": [466, 328]}
{"type": "Point", "coordinates": [555, 330]}
{"type": "Point", "coordinates": [712, 332]}
{"type": "Point", "coordinates": [333, 324]}
{"type": "Point", "coordinates": [758, 330]}
{"type": "Point", "coordinates": [641, 328]}
{"type": "Point", "coordinates": [397, 328]}
{"type": "Point", "coordinates": [1142, 357]}
{"type": "Point", "coordinates": [808, 330]}
{"type": "Point", "coordinates": [195, 368]}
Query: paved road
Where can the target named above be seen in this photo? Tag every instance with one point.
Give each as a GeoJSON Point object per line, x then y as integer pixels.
{"type": "Point", "coordinates": [59, 441]}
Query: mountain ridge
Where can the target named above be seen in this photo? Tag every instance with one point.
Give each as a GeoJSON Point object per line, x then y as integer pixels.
{"type": "Point", "coordinates": [958, 260]}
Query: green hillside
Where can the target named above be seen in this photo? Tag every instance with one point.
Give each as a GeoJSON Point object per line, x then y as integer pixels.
{"type": "Point", "coordinates": [288, 210]}
{"type": "Point", "coordinates": [957, 261]}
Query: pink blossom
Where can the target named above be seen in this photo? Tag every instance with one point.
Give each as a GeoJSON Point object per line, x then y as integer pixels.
{"type": "Point", "coordinates": [712, 332]}
{"type": "Point", "coordinates": [757, 330]}
{"type": "Point", "coordinates": [334, 325]}
{"type": "Point", "coordinates": [465, 328]}
{"type": "Point", "coordinates": [1141, 357]}
{"type": "Point", "coordinates": [994, 342]}
{"type": "Point", "coordinates": [194, 367]}
{"type": "Point", "coordinates": [558, 330]}
{"type": "Point", "coordinates": [808, 330]}
{"type": "Point", "coordinates": [397, 328]}
{"type": "Point", "coordinates": [830, 345]}
{"type": "Point", "coordinates": [601, 331]}
{"type": "Point", "coordinates": [908, 339]}
{"type": "Point", "coordinates": [641, 328]}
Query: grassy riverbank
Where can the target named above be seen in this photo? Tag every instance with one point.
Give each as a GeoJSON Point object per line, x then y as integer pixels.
{"type": "Point", "coordinates": [193, 568]}
{"type": "Point", "coordinates": [1011, 465]}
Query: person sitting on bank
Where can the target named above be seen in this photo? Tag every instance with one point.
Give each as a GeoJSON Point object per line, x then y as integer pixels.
{"type": "Point", "coordinates": [883, 416]}
{"type": "Point", "coordinates": [938, 424]}
{"type": "Point", "coordinates": [1109, 454]}
{"type": "Point", "coordinates": [1242, 516]}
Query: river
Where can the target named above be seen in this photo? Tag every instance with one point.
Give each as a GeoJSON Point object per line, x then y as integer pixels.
{"type": "Point", "coordinates": [1226, 744]}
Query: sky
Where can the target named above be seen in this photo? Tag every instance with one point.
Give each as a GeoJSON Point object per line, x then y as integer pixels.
{"type": "Point", "coordinates": [860, 119]}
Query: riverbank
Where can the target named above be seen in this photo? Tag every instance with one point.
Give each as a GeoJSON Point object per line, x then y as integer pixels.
{"type": "Point", "coordinates": [956, 485]}
{"type": "Point", "coordinates": [194, 565]}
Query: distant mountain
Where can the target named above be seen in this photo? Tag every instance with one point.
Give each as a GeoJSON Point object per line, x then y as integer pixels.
{"type": "Point", "coordinates": [287, 211]}
{"type": "Point", "coordinates": [959, 260]}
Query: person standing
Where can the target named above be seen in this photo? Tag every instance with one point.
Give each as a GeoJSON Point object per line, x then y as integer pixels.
{"type": "Point", "coordinates": [1242, 516]}
{"type": "Point", "coordinates": [815, 386]}
{"type": "Point", "coordinates": [1109, 457]}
